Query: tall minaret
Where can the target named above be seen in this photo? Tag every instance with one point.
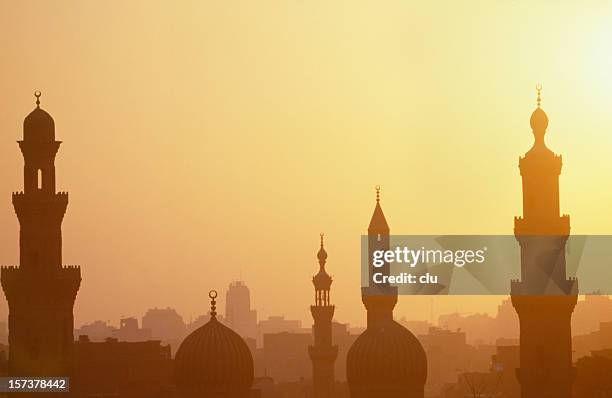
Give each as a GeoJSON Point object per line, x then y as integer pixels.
{"type": "Point", "coordinates": [379, 300]}
{"type": "Point", "coordinates": [544, 298]}
{"type": "Point", "coordinates": [386, 360]}
{"type": "Point", "coordinates": [323, 353]}
{"type": "Point", "coordinates": [40, 292]}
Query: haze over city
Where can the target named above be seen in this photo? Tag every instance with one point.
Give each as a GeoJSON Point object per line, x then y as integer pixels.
{"type": "Point", "coordinates": [210, 142]}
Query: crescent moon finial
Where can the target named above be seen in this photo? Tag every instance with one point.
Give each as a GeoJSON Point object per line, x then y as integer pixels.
{"type": "Point", "coordinates": [213, 304]}
{"type": "Point", "coordinates": [37, 94]}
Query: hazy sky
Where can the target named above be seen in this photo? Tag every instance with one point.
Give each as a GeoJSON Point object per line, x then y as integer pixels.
{"type": "Point", "coordinates": [210, 141]}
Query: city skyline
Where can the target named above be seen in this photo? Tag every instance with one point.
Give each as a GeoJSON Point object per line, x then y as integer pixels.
{"type": "Point", "coordinates": [273, 128]}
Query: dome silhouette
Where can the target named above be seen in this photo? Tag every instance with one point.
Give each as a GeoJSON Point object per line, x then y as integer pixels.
{"type": "Point", "coordinates": [213, 361]}
{"type": "Point", "coordinates": [387, 360]}
{"type": "Point", "coordinates": [538, 120]}
{"type": "Point", "coordinates": [38, 125]}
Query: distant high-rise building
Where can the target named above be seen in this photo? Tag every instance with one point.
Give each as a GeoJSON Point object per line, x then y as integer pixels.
{"type": "Point", "coordinates": [386, 360]}
{"type": "Point", "coordinates": [40, 292]}
{"type": "Point", "coordinates": [544, 298]}
{"type": "Point", "coordinates": [238, 313]}
{"type": "Point", "coordinates": [322, 353]}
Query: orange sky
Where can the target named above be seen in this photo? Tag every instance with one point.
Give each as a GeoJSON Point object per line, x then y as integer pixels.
{"type": "Point", "coordinates": [207, 141]}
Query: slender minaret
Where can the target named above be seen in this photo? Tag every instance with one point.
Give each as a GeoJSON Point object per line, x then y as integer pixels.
{"type": "Point", "coordinates": [386, 360]}
{"type": "Point", "coordinates": [323, 353]}
{"type": "Point", "coordinates": [40, 292]}
{"type": "Point", "coordinates": [544, 298]}
{"type": "Point", "coordinates": [379, 300]}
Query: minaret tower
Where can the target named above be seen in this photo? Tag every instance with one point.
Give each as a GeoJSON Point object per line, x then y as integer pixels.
{"type": "Point", "coordinates": [40, 292]}
{"type": "Point", "coordinates": [544, 298]}
{"type": "Point", "coordinates": [379, 300]}
{"type": "Point", "coordinates": [386, 360]}
{"type": "Point", "coordinates": [323, 353]}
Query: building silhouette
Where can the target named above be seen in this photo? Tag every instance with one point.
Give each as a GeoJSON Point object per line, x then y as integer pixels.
{"type": "Point", "coordinates": [284, 356]}
{"type": "Point", "coordinates": [238, 313]}
{"type": "Point", "coordinates": [386, 360]}
{"type": "Point", "coordinates": [213, 361]}
{"type": "Point", "coordinates": [544, 298]}
{"type": "Point", "coordinates": [113, 368]}
{"type": "Point", "coordinates": [165, 324]}
{"type": "Point", "coordinates": [40, 291]}
{"type": "Point", "coordinates": [322, 353]}
{"type": "Point", "coordinates": [130, 331]}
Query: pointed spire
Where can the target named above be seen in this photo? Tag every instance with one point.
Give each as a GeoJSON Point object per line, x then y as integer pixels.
{"type": "Point", "coordinates": [213, 304]}
{"type": "Point", "coordinates": [322, 254]}
{"type": "Point", "coordinates": [37, 94]}
{"type": "Point", "coordinates": [539, 90]}
{"type": "Point", "coordinates": [378, 222]}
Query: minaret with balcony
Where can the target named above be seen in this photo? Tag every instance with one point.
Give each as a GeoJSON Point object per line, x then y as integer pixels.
{"type": "Point", "coordinates": [322, 353]}
{"type": "Point", "coordinates": [544, 297]}
{"type": "Point", "coordinates": [40, 291]}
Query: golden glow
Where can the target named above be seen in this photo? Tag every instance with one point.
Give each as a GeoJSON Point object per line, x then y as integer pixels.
{"type": "Point", "coordinates": [208, 141]}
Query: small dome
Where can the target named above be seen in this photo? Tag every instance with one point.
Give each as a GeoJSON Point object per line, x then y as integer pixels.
{"type": "Point", "coordinates": [538, 121]}
{"type": "Point", "coordinates": [213, 361]}
{"type": "Point", "coordinates": [386, 359]}
{"type": "Point", "coordinates": [38, 126]}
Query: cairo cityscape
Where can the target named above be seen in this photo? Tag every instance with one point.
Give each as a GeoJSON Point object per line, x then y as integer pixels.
{"type": "Point", "coordinates": [235, 199]}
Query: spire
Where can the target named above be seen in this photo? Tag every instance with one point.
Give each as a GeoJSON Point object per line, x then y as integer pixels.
{"type": "Point", "coordinates": [322, 254]}
{"type": "Point", "coordinates": [213, 307]}
{"type": "Point", "coordinates": [37, 94]}
{"type": "Point", "coordinates": [322, 280]}
{"type": "Point", "coordinates": [378, 223]}
{"type": "Point", "coordinates": [539, 90]}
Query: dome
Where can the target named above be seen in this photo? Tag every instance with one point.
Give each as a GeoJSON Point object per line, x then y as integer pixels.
{"type": "Point", "coordinates": [213, 361]}
{"type": "Point", "coordinates": [538, 121]}
{"type": "Point", "coordinates": [386, 360]}
{"type": "Point", "coordinates": [38, 125]}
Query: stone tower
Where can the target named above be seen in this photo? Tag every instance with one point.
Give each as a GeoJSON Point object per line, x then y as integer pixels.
{"type": "Point", "coordinates": [322, 354]}
{"type": "Point", "coordinates": [544, 298]}
{"type": "Point", "coordinates": [40, 291]}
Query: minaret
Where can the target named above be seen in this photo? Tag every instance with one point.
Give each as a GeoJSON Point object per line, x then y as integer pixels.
{"type": "Point", "coordinates": [40, 292]}
{"type": "Point", "coordinates": [544, 298]}
{"type": "Point", "coordinates": [379, 300]}
{"type": "Point", "coordinates": [386, 360]}
{"type": "Point", "coordinates": [323, 353]}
